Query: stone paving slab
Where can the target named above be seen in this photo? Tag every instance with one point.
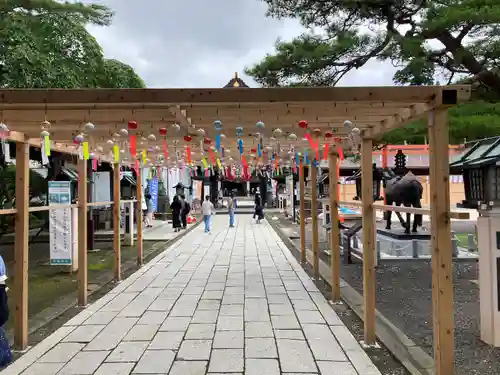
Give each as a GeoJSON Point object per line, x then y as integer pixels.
{"type": "Point", "coordinates": [233, 302]}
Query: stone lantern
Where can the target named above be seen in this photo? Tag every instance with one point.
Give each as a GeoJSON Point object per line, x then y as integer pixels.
{"type": "Point", "coordinates": [377, 182]}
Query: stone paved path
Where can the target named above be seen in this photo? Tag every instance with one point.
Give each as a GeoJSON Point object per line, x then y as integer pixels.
{"type": "Point", "coordinates": [231, 302]}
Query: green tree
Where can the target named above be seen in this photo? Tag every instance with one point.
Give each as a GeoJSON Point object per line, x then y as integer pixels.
{"type": "Point", "coordinates": [354, 32]}
{"type": "Point", "coordinates": [119, 75]}
{"type": "Point", "coordinates": [45, 43]}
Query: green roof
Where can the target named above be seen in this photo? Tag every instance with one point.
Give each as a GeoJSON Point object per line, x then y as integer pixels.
{"type": "Point", "coordinates": [478, 154]}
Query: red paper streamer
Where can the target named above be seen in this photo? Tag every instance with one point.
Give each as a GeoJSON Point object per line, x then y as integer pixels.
{"type": "Point", "coordinates": [341, 153]}
{"type": "Point", "coordinates": [244, 161]}
{"type": "Point", "coordinates": [212, 156]}
{"type": "Point", "coordinates": [133, 146]}
{"type": "Point", "coordinates": [188, 154]}
{"type": "Point", "coordinates": [94, 164]}
{"type": "Point", "coordinates": [136, 166]}
{"type": "Point", "coordinates": [165, 148]}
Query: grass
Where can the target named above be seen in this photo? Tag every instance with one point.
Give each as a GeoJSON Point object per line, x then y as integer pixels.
{"type": "Point", "coordinates": [48, 285]}
{"type": "Point", "coordinates": [463, 239]}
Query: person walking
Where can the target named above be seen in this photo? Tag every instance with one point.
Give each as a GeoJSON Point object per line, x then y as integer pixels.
{"type": "Point", "coordinates": [207, 209]}
{"type": "Point", "coordinates": [230, 210]}
{"type": "Point", "coordinates": [176, 208]}
{"type": "Point", "coordinates": [259, 209]}
{"type": "Point", "coordinates": [185, 209]}
{"type": "Point", "coordinates": [149, 211]}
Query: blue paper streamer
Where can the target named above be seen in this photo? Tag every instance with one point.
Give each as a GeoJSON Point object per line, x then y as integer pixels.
{"type": "Point", "coordinates": [297, 160]}
{"type": "Point", "coordinates": [222, 152]}
{"type": "Point", "coordinates": [240, 146]}
{"type": "Point", "coordinates": [217, 142]}
{"type": "Point", "coordinates": [306, 160]}
{"type": "Point", "coordinates": [259, 151]}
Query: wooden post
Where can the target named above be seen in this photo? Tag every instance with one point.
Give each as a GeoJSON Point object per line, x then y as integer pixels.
{"type": "Point", "coordinates": [369, 251]}
{"type": "Point", "coordinates": [116, 221]}
{"type": "Point", "coordinates": [139, 216]}
{"type": "Point", "coordinates": [302, 210]}
{"type": "Point", "coordinates": [314, 215]}
{"type": "Point", "coordinates": [21, 247]}
{"type": "Point", "coordinates": [334, 220]}
{"type": "Point", "coordinates": [82, 232]}
{"type": "Point", "coordinates": [442, 277]}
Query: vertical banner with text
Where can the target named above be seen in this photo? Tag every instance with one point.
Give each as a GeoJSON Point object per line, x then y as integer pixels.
{"type": "Point", "coordinates": [60, 227]}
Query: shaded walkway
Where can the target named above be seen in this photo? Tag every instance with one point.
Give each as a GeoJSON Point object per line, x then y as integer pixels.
{"type": "Point", "coordinates": [232, 302]}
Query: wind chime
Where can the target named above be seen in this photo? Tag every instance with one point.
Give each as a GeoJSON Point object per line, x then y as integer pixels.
{"type": "Point", "coordinates": [239, 134]}
{"type": "Point", "coordinates": [218, 146]}
{"type": "Point", "coordinates": [44, 139]}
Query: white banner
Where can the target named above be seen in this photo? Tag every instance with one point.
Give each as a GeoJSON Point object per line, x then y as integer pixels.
{"type": "Point", "coordinates": [60, 224]}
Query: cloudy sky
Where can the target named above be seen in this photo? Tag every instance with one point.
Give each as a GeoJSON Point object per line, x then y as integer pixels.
{"type": "Point", "coordinates": [201, 43]}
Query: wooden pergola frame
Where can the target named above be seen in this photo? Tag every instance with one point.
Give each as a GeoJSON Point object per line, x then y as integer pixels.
{"type": "Point", "coordinates": [373, 110]}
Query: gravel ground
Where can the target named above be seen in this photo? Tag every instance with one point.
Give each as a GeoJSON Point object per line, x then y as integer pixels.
{"type": "Point", "coordinates": [404, 297]}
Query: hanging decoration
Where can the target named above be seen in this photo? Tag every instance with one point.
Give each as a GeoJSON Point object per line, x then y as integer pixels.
{"type": "Point", "coordinates": [240, 146]}
{"type": "Point", "coordinates": [212, 156]}
{"type": "Point", "coordinates": [218, 128]}
{"type": "Point", "coordinates": [325, 151]}
{"type": "Point", "coordinates": [116, 154]}
{"type": "Point", "coordinates": [85, 150]}
{"type": "Point", "coordinates": [45, 140]}
{"type": "Point", "coordinates": [132, 127]}
{"type": "Point", "coordinates": [4, 131]}
{"type": "Point", "coordinates": [188, 155]}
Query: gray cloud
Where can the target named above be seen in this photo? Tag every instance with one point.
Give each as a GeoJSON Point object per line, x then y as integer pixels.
{"type": "Point", "coordinates": [199, 43]}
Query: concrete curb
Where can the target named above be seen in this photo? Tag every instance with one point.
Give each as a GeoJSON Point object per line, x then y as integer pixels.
{"type": "Point", "coordinates": [411, 356]}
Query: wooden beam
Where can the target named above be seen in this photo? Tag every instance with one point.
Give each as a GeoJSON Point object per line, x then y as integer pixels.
{"type": "Point", "coordinates": [180, 116]}
{"type": "Point", "coordinates": [368, 221]}
{"type": "Point", "coordinates": [139, 217]}
{"type": "Point", "coordinates": [116, 221]}
{"type": "Point", "coordinates": [333, 160]}
{"type": "Point", "coordinates": [87, 98]}
{"type": "Point", "coordinates": [302, 202]}
{"type": "Point", "coordinates": [21, 247]}
{"type": "Point", "coordinates": [405, 116]}
{"type": "Point", "coordinates": [442, 273]}
{"type": "Point", "coordinates": [314, 213]}
{"type": "Point", "coordinates": [82, 233]}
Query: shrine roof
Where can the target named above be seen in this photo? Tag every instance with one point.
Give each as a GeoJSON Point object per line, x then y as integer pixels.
{"type": "Point", "coordinates": [478, 154]}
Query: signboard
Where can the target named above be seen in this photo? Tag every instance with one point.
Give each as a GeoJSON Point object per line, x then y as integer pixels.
{"type": "Point", "coordinates": [153, 191]}
{"type": "Point", "coordinates": [60, 224]}
{"type": "Point", "coordinates": [101, 190]}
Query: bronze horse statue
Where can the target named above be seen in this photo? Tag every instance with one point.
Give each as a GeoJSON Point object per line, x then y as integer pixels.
{"type": "Point", "coordinates": [406, 191]}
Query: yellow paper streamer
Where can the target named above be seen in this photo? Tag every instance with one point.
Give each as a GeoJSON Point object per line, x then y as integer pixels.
{"type": "Point", "coordinates": [205, 164]}
{"type": "Point", "coordinates": [116, 153]}
{"type": "Point", "coordinates": [219, 164]}
{"type": "Point", "coordinates": [46, 145]}
{"type": "Point", "coordinates": [85, 146]}
{"type": "Point", "coordinates": [144, 158]}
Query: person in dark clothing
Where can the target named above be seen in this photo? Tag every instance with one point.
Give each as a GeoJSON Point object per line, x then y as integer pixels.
{"type": "Point", "coordinates": [176, 208]}
{"type": "Point", "coordinates": [186, 208]}
{"type": "Point", "coordinates": [259, 209]}
{"type": "Point", "coordinates": [5, 351]}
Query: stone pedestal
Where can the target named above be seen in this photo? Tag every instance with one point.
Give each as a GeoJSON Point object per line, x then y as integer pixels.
{"type": "Point", "coordinates": [488, 232]}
